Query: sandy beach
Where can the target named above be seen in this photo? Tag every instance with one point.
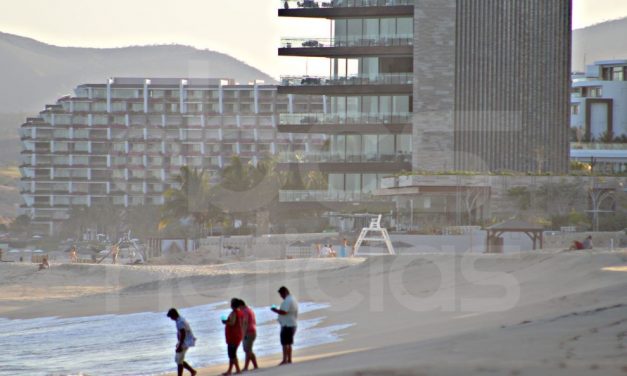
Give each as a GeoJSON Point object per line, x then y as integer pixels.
{"type": "Point", "coordinates": [541, 313]}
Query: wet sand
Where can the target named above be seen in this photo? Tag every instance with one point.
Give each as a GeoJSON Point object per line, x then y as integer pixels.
{"type": "Point", "coordinates": [527, 314]}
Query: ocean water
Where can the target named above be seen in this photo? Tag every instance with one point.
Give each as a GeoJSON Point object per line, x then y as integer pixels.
{"type": "Point", "coordinates": [138, 344]}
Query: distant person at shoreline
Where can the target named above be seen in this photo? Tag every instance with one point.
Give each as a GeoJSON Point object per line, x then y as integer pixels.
{"type": "Point", "coordinates": [288, 316]}
{"type": "Point", "coordinates": [44, 263]}
{"type": "Point", "coordinates": [233, 333]}
{"type": "Point", "coordinates": [249, 328]}
{"type": "Point", "coordinates": [73, 254]}
{"type": "Point", "coordinates": [186, 340]}
{"type": "Point", "coordinates": [115, 251]}
{"type": "Point", "coordinates": [343, 248]}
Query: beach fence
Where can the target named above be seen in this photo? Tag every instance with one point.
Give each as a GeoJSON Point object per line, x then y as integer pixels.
{"type": "Point", "coordinates": [261, 247]}
{"type": "Point", "coordinates": [38, 259]}
{"type": "Point", "coordinates": [162, 247]}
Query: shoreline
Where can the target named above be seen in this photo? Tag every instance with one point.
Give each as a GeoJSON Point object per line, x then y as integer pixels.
{"type": "Point", "coordinates": [442, 313]}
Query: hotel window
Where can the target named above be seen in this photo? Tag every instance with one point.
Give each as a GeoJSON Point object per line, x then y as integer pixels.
{"type": "Point", "coordinates": [618, 74]}
{"type": "Point", "coordinates": [124, 93]}
{"type": "Point", "coordinates": [405, 27]}
{"type": "Point", "coordinates": [157, 107]}
{"type": "Point", "coordinates": [574, 109]}
{"type": "Point", "coordinates": [247, 148]}
{"type": "Point", "coordinates": [195, 94]}
{"type": "Point", "coordinates": [99, 93]}
{"type": "Point", "coordinates": [118, 106]}
{"type": "Point", "coordinates": [595, 92]}
{"type": "Point", "coordinates": [82, 92]}
{"type": "Point", "coordinates": [101, 120]}
{"type": "Point", "coordinates": [81, 106]}
{"type": "Point", "coordinates": [173, 107]}
{"type": "Point", "coordinates": [62, 119]}
{"type": "Point", "coordinates": [157, 94]}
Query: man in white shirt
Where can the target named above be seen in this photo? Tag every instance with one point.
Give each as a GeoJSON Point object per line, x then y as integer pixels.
{"type": "Point", "coordinates": [186, 340]}
{"type": "Point", "coordinates": [288, 316]}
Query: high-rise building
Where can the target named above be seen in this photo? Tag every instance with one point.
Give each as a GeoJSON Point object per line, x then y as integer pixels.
{"type": "Point", "coordinates": [447, 85]}
{"type": "Point", "coordinates": [119, 143]}
{"type": "Point", "coordinates": [368, 97]}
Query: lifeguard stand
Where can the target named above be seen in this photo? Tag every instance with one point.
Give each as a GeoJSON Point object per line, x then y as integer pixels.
{"type": "Point", "coordinates": [381, 235]}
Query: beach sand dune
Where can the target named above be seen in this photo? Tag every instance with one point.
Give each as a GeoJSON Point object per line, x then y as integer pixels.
{"type": "Point", "coordinates": [543, 313]}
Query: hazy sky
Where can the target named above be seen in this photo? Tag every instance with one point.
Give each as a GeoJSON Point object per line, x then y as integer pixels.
{"type": "Point", "coordinates": [246, 29]}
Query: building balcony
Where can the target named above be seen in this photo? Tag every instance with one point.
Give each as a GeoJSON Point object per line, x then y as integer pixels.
{"type": "Point", "coordinates": [346, 123]}
{"type": "Point", "coordinates": [346, 8]}
{"type": "Point", "coordinates": [381, 84]}
{"type": "Point", "coordinates": [351, 47]}
{"type": "Point", "coordinates": [341, 163]}
{"type": "Point", "coordinates": [324, 157]}
{"type": "Point", "coordinates": [325, 196]}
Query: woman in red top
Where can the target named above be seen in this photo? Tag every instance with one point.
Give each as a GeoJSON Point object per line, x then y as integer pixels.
{"type": "Point", "coordinates": [234, 333]}
{"type": "Point", "coordinates": [250, 334]}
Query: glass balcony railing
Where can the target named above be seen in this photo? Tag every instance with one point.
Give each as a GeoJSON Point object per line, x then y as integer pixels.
{"type": "Point", "coordinates": [343, 3]}
{"type": "Point", "coordinates": [330, 157]}
{"type": "Point", "coordinates": [372, 79]}
{"type": "Point", "coordinates": [325, 196]}
{"type": "Point", "coordinates": [361, 41]}
{"type": "Point", "coordinates": [354, 118]}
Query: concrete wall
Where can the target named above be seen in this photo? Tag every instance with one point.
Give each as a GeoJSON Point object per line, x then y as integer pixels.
{"type": "Point", "coordinates": [434, 84]}
{"type": "Point", "coordinates": [491, 85]}
{"type": "Point", "coordinates": [263, 247]}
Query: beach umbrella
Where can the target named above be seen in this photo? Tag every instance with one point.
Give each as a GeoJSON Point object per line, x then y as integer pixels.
{"type": "Point", "coordinates": [27, 251]}
{"type": "Point", "coordinates": [15, 251]}
{"type": "Point", "coordinates": [38, 251]}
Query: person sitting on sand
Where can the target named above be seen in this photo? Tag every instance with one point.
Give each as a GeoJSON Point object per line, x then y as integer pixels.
{"type": "Point", "coordinates": [44, 263]}
{"type": "Point", "coordinates": [288, 316]}
{"type": "Point", "coordinates": [249, 328]}
{"type": "Point", "coordinates": [327, 251]}
{"type": "Point", "coordinates": [577, 245]}
{"type": "Point", "coordinates": [233, 334]}
{"type": "Point", "coordinates": [186, 340]}
{"type": "Point", "coordinates": [332, 252]}
{"type": "Point", "coordinates": [587, 243]}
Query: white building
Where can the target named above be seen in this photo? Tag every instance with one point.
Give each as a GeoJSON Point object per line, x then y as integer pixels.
{"type": "Point", "coordinates": [599, 101]}
{"type": "Point", "coordinates": [119, 143]}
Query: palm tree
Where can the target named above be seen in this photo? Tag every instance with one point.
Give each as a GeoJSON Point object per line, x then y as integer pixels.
{"type": "Point", "coordinates": [190, 198]}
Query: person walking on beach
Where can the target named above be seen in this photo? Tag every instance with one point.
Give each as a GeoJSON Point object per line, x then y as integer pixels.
{"type": "Point", "coordinates": [234, 334]}
{"type": "Point", "coordinates": [115, 252]}
{"type": "Point", "coordinates": [249, 328]}
{"type": "Point", "coordinates": [73, 254]}
{"type": "Point", "coordinates": [288, 316]}
{"type": "Point", "coordinates": [186, 340]}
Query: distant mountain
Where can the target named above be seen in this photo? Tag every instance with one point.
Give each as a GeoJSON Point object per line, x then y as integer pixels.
{"type": "Point", "coordinates": [603, 41]}
{"type": "Point", "coordinates": [33, 74]}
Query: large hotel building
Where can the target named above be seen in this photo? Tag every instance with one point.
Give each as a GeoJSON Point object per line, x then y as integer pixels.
{"type": "Point", "coordinates": [422, 85]}
{"type": "Point", "coordinates": [433, 86]}
{"type": "Point", "coordinates": [119, 143]}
